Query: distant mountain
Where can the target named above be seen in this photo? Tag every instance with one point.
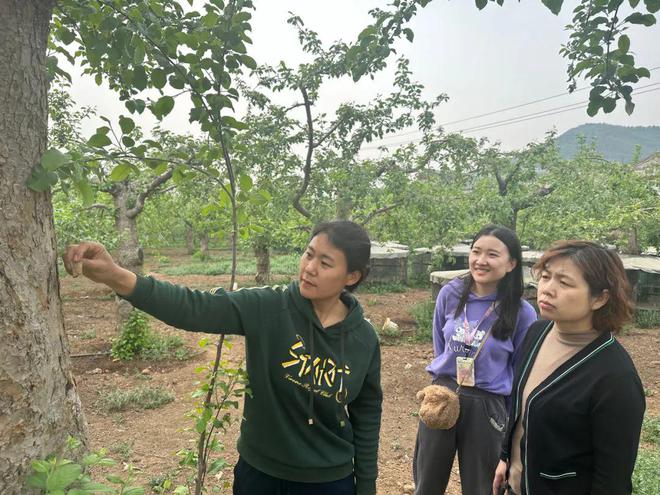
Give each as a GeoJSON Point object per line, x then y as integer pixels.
{"type": "Point", "coordinates": [615, 142]}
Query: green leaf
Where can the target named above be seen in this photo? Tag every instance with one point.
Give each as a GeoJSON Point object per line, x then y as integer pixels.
{"type": "Point", "coordinates": [99, 141]}
{"type": "Point", "coordinates": [53, 159]}
{"type": "Point", "coordinates": [66, 36]}
{"type": "Point", "coordinates": [609, 104]}
{"type": "Point", "coordinates": [248, 61]}
{"type": "Point", "coordinates": [40, 466]}
{"type": "Point", "coordinates": [113, 478]}
{"type": "Point", "coordinates": [177, 82]}
{"type": "Point", "coordinates": [158, 78]}
{"type": "Point", "coordinates": [163, 106]}
{"type": "Point", "coordinates": [630, 107]}
{"type": "Point", "coordinates": [643, 72]}
{"type": "Point", "coordinates": [232, 122]}
{"type": "Point", "coordinates": [245, 182]}
{"type": "Point", "coordinates": [481, 4]}
{"type": "Point", "coordinates": [63, 476]}
{"type": "Point", "coordinates": [593, 107]}
{"type": "Point", "coordinates": [644, 19]}
{"type": "Point", "coordinates": [624, 44]}
{"type": "Point", "coordinates": [85, 191]}
{"type": "Point", "coordinates": [120, 172]}
{"type": "Point", "coordinates": [126, 124]}
{"type": "Point", "coordinates": [41, 180]}
{"type": "Point", "coordinates": [553, 5]}
{"type": "Point", "coordinates": [133, 490]}
{"type": "Point", "coordinates": [210, 19]}
{"type": "Point", "coordinates": [409, 34]}
{"type": "Point", "coordinates": [652, 5]}
{"type": "Point", "coordinates": [128, 141]}
{"type": "Point", "coordinates": [139, 51]}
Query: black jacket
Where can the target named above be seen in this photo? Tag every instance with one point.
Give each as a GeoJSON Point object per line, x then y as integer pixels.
{"type": "Point", "coordinates": [581, 424]}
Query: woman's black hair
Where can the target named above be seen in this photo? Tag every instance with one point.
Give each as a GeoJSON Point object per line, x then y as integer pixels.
{"type": "Point", "coordinates": [509, 289]}
{"type": "Point", "coordinates": [353, 241]}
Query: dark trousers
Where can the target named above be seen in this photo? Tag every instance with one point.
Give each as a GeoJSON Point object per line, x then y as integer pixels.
{"type": "Point", "coordinates": [250, 481]}
{"type": "Point", "coordinates": [477, 437]}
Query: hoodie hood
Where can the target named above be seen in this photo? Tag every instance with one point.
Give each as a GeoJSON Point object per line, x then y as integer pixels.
{"type": "Point", "coordinates": [354, 318]}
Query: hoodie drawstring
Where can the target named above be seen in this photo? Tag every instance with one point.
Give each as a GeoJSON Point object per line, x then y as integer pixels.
{"type": "Point", "coordinates": [310, 405]}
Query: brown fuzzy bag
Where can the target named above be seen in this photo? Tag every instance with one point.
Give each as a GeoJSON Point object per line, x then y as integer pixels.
{"type": "Point", "coordinates": [440, 407]}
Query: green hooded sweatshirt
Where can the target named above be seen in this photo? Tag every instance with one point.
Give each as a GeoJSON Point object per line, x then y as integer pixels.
{"type": "Point", "coordinates": [314, 414]}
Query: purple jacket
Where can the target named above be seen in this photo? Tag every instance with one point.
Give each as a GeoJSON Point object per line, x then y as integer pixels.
{"type": "Point", "coordinates": [495, 363]}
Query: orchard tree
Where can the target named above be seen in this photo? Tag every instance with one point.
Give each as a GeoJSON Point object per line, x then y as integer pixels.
{"type": "Point", "coordinates": [39, 404]}
{"type": "Point", "coordinates": [593, 198]}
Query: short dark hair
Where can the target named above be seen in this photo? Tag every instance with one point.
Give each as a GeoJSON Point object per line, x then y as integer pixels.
{"type": "Point", "coordinates": [602, 269]}
{"type": "Point", "coordinates": [352, 239]}
{"type": "Point", "coordinates": [509, 289]}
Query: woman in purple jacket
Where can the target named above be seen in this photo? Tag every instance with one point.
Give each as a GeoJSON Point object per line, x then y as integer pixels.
{"type": "Point", "coordinates": [480, 321]}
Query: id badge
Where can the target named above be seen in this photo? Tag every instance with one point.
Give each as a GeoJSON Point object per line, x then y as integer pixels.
{"type": "Point", "coordinates": [465, 371]}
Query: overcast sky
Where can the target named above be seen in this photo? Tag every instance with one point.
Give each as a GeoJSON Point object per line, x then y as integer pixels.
{"type": "Point", "coordinates": [483, 60]}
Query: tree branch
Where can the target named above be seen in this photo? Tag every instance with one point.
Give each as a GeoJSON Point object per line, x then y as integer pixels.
{"type": "Point", "coordinates": [151, 188]}
{"type": "Point", "coordinates": [307, 170]}
{"type": "Point", "coordinates": [380, 211]}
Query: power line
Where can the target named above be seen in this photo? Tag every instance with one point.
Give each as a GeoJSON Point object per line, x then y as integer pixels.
{"type": "Point", "coordinates": [513, 120]}
{"type": "Point", "coordinates": [542, 112]}
{"type": "Point", "coordinates": [578, 107]}
{"type": "Point", "coordinates": [501, 110]}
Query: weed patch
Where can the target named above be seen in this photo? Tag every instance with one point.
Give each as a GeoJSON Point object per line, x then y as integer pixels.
{"type": "Point", "coordinates": [137, 398]}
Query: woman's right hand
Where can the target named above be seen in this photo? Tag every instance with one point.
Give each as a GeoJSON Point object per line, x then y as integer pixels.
{"type": "Point", "coordinates": [500, 478]}
{"type": "Point", "coordinates": [92, 260]}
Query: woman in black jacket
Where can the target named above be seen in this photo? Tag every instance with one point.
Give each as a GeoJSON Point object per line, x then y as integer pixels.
{"type": "Point", "coordinates": [577, 401]}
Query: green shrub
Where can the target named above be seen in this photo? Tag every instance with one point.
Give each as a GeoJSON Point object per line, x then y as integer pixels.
{"type": "Point", "coordinates": [423, 315]}
{"type": "Point", "coordinates": [134, 337]}
{"type": "Point", "coordinates": [647, 318]}
{"type": "Point", "coordinates": [138, 341]}
{"type": "Point", "coordinates": [138, 398]}
{"type": "Point", "coordinates": [56, 475]}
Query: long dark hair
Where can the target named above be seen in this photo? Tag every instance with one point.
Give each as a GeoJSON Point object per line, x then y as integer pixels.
{"type": "Point", "coordinates": [353, 240]}
{"type": "Point", "coordinates": [509, 289]}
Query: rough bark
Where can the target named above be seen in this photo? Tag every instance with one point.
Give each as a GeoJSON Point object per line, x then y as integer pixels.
{"type": "Point", "coordinates": [262, 256]}
{"type": "Point", "coordinates": [204, 246]}
{"type": "Point", "coordinates": [129, 251]}
{"type": "Point", "coordinates": [190, 238]}
{"type": "Point", "coordinates": [39, 405]}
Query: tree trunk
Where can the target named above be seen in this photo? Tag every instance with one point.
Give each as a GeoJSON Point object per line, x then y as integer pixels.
{"type": "Point", "coordinates": [39, 405]}
{"type": "Point", "coordinates": [633, 243]}
{"type": "Point", "coordinates": [190, 238]}
{"type": "Point", "coordinates": [204, 246]}
{"type": "Point", "coordinates": [262, 255]}
{"type": "Point", "coordinates": [129, 251]}
{"type": "Point", "coordinates": [344, 207]}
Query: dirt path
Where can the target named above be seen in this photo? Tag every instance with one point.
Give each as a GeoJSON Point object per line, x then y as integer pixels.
{"type": "Point", "coordinates": [149, 439]}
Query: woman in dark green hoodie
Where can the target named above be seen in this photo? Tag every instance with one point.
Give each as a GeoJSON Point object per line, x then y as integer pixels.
{"type": "Point", "coordinates": [312, 423]}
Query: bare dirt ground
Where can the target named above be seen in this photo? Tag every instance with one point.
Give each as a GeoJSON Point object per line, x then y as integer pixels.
{"type": "Point", "coordinates": [149, 439]}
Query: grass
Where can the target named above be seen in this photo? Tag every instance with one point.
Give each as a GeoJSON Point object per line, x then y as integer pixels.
{"type": "Point", "coordinates": [381, 288]}
{"type": "Point", "coordinates": [646, 477]}
{"type": "Point", "coordinates": [647, 318]}
{"type": "Point", "coordinates": [159, 347]}
{"type": "Point", "coordinates": [280, 264]}
{"type": "Point", "coordinates": [651, 431]}
{"type": "Point", "coordinates": [123, 450]}
{"type": "Point", "coordinates": [134, 399]}
{"type": "Point", "coordinates": [423, 315]}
